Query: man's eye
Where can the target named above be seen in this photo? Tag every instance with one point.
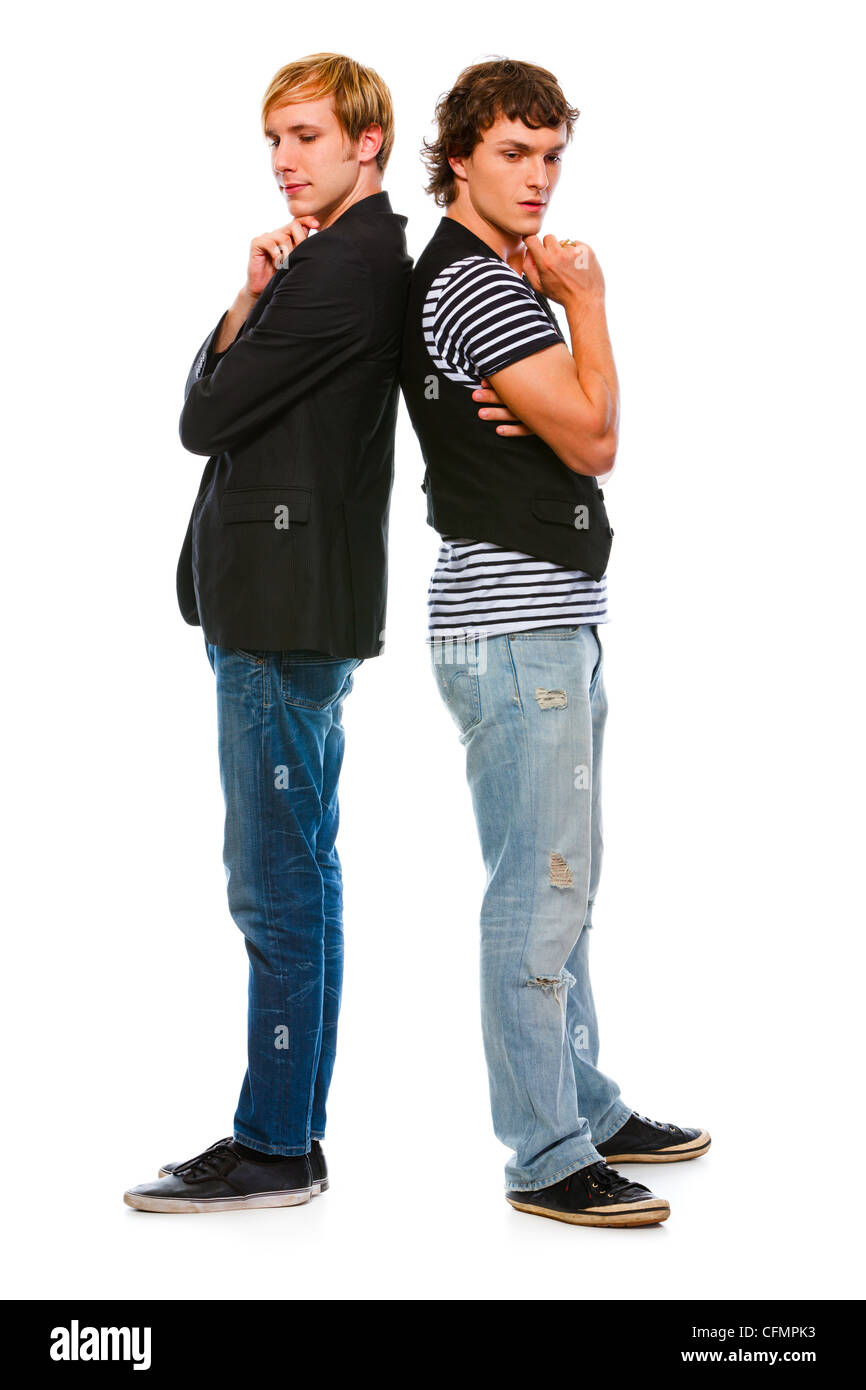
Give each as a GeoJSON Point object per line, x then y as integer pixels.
{"type": "Point", "coordinates": [306, 139]}
{"type": "Point", "coordinates": [556, 158]}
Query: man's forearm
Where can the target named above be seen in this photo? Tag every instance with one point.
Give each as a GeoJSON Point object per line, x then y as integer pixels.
{"type": "Point", "coordinates": [593, 358]}
{"type": "Point", "coordinates": [235, 319]}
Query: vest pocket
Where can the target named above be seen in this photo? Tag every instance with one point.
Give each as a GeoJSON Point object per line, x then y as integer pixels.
{"type": "Point", "coordinates": [562, 510]}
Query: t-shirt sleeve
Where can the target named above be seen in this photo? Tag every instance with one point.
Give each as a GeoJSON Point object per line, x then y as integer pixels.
{"type": "Point", "coordinates": [484, 318]}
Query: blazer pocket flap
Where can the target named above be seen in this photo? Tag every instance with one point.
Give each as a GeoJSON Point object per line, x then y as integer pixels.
{"type": "Point", "coordinates": [281, 506]}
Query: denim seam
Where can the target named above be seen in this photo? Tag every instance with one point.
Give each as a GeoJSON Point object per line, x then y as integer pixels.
{"type": "Point", "coordinates": [273, 930]}
{"type": "Point", "coordinates": [521, 971]}
{"type": "Point", "coordinates": [556, 1177]}
{"type": "Point", "coordinates": [603, 1138]}
{"type": "Point", "coordinates": [474, 689]}
{"type": "Point", "coordinates": [537, 635]}
{"type": "Point", "coordinates": [514, 676]}
{"type": "Point", "coordinates": [283, 1151]}
{"type": "Point", "coordinates": [332, 710]}
{"type": "Point", "coordinates": [336, 723]}
{"type": "Point", "coordinates": [335, 712]}
{"type": "Point", "coordinates": [596, 670]}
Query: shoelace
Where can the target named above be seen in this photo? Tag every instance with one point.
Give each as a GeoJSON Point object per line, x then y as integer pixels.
{"type": "Point", "coordinates": [658, 1124]}
{"type": "Point", "coordinates": [215, 1162]}
{"type": "Point", "coordinates": [598, 1179]}
{"type": "Point", "coordinates": [602, 1178]}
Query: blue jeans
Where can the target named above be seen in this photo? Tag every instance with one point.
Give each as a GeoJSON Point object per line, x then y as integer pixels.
{"type": "Point", "coordinates": [530, 709]}
{"type": "Point", "coordinates": [280, 750]}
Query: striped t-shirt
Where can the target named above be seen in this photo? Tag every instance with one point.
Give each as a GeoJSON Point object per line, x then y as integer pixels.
{"type": "Point", "coordinates": [481, 316]}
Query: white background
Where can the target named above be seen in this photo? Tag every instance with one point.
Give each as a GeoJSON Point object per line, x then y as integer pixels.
{"type": "Point", "coordinates": [716, 170]}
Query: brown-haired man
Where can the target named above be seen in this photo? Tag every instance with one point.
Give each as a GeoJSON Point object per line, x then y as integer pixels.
{"type": "Point", "coordinates": [294, 398]}
{"type": "Point", "coordinates": [515, 604]}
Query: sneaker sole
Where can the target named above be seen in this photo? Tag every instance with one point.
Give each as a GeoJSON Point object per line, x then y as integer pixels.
{"type": "Point", "coordinates": [318, 1187]}
{"type": "Point", "coordinates": [676, 1153]}
{"type": "Point", "coordinates": [647, 1213]}
{"type": "Point", "coordinates": [186, 1206]}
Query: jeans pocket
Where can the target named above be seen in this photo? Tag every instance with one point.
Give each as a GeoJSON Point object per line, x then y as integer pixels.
{"type": "Point", "coordinates": [534, 633]}
{"type": "Point", "coordinates": [459, 687]}
{"type": "Point", "coordinates": [315, 682]}
{"type": "Point", "coordinates": [255, 658]}
{"type": "Point", "coordinates": [600, 662]}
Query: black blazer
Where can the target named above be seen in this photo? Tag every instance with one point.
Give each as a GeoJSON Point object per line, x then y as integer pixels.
{"type": "Point", "coordinates": [287, 542]}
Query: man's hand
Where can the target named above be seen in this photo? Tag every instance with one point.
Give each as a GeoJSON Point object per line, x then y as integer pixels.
{"type": "Point", "coordinates": [569, 274]}
{"type": "Point", "coordinates": [269, 252]}
{"type": "Point", "coordinates": [497, 410]}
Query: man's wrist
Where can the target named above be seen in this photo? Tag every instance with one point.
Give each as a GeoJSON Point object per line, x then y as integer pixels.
{"type": "Point", "coordinates": [580, 306]}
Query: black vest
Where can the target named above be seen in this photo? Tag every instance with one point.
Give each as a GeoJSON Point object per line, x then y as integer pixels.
{"type": "Point", "coordinates": [511, 490]}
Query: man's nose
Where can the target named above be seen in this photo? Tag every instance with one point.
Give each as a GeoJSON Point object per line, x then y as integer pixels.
{"type": "Point", "coordinates": [285, 161]}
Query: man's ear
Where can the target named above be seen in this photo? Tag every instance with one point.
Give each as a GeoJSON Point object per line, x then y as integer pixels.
{"type": "Point", "coordinates": [370, 143]}
{"type": "Point", "coordinates": [458, 166]}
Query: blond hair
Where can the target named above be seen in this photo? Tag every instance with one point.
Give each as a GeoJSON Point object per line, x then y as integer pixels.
{"type": "Point", "coordinates": [360, 96]}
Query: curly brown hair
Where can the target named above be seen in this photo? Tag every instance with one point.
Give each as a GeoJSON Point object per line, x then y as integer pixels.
{"type": "Point", "coordinates": [481, 94]}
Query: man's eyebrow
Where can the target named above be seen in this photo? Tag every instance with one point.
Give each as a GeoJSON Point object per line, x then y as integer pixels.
{"type": "Point", "coordinates": [521, 145]}
{"type": "Point", "coordinates": [302, 125]}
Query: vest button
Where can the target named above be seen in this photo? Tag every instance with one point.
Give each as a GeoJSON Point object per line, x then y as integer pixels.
{"type": "Point", "coordinates": [611, 530]}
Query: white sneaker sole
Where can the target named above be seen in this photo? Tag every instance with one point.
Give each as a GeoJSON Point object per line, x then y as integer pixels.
{"type": "Point", "coordinates": [182, 1205]}
{"type": "Point", "coordinates": [676, 1153]}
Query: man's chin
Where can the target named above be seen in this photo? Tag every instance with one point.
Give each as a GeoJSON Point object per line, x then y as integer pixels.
{"type": "Point", "coordinates": [303, 204]}
{"type": "Point", "coordinates": [323, 213]}
{"type": "Point", "coordinates": [530, 222]}
{"type": "Point", "coordinates": [527, 225]}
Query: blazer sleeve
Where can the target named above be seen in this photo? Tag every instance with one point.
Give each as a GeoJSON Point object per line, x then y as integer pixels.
{"type": "Point", "coordinates": [206, 359]}
{"type": "Point", "coordinates": [317, 319]}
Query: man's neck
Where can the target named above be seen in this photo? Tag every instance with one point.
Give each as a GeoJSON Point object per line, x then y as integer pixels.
{"type": "Point", "coordinates": [509, 246]}
{"type": "Point", "coordinates": [363, 189]}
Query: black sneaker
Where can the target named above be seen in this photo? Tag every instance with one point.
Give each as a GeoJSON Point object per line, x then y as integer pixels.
{"type": "Point", "coordinates": [594, 1196]}
{"type": "Point", "coordinates": [318, 1166]}
{"type": "Point", "coordinates": [641, 1140]}
{"type": "Point", "coordinates": [168, 1168]}
{"type": "Point", "coordinates": [220, 1180]}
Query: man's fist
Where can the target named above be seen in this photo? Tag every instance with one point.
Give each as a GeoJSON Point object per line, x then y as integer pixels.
{"type": "Point", "coordinates": [269, 252]}
{"type": "Point", "coordinates": [563, 273]}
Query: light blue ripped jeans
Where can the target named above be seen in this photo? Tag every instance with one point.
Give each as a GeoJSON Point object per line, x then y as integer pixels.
{"type": "Point", "coordinates": [530, 709]}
